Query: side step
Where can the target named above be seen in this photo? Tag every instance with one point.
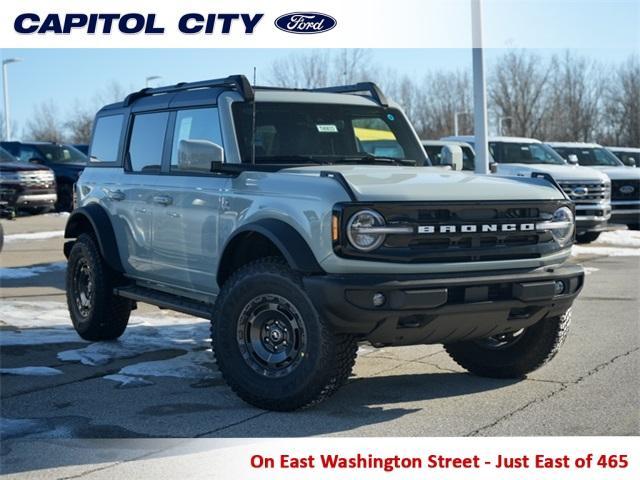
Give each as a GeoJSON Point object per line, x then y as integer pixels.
{"type": "Point", "coordinates": [165, 300]}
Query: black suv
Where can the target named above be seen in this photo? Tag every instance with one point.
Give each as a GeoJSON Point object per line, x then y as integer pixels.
{"type": "Point", "coordinates": [24, 186]}
{"type": "Point", "coordinates": [66, 162]}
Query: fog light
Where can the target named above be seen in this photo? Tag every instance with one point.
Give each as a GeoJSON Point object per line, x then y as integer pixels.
{"type": "Point", "coordinates": [379, 299]}
{"type": "Point", "coordinates": [559, 287]}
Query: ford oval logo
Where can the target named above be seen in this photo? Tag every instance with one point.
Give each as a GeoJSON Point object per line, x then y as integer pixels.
{"type": "Point", "coordinates": [305, 22]}
{"type": "Point", "coordinates": [627, 189]}
{"type": "Point", "coordinates": [580, 191]}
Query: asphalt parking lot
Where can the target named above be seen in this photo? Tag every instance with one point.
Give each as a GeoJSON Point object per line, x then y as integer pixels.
{"type": "Point", "coordinates": [159, 379]}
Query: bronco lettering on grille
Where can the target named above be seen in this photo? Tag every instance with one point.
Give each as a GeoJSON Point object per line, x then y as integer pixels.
{"type": "Point", "coordinates": [483, 228]}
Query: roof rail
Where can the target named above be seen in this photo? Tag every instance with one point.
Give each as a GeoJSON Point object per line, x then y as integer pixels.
{"type": "Point", "coordinates": [369, 87]}
{"type": "Point", "coordinates": [239, 82]}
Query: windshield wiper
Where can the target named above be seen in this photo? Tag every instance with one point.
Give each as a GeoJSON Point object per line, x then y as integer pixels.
{"type": "Point", "coordinates": [372, 159]}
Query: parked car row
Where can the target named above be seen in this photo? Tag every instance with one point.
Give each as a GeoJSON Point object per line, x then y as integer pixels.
{"type": "Point", "coordinates": [36, 177]}
{"type": "Point", "coordinates": [605, 191]}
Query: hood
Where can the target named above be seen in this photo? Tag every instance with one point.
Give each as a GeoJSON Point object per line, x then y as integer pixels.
{"type": "Point", "coordinates": [558, 172]}
{"type": "Point", "coordinates": [394, 183]}
{"type": "Point", "coordinates": [21, 167]}
{"type": "Point", "coordinates": [620, 173]}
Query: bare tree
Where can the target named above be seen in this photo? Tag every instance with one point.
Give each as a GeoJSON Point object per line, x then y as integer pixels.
{"type": "Point", "coordinates": [575, 90]}
{"type": "Point", "coordinates": [621, 108]}
{"type": "Point", "coordinates": [80, 124]}
{"type": "Point", "coordinates": [45, 124]}
{"type": "Point", "coordinates": [320, 68]}
{"type": "Point", "coordinates": [518, 89]}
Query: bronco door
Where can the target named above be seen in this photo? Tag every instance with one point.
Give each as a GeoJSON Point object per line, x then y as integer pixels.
{"type": "Point", "coordinates": [185, 227]}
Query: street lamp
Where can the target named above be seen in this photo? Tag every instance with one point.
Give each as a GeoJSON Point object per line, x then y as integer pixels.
{"type": "Point", "coordinates": [5, 91]}
{"type": "Point", "coordinates": [479, 91]}
{"type": "Point", "coordinates": [151, 78]}
{"type": "Point", "coordinates": [456, 122]}
{"type": "Point", "coordinates": [501, 124]}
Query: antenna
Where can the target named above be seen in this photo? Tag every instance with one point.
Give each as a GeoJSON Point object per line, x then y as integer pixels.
{"type": "Point", "coordinates": [253, 123]}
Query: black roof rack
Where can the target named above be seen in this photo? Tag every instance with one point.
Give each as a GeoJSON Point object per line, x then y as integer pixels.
{"type": "Point", "coordinates": [369, 87]}
{"type": "Point", "coordinates": [239, 82]}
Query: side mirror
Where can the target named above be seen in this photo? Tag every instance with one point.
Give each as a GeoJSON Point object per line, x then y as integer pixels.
{"type": "Point", "coordinates": [493, 167]}
{"type": "Point", "coordinates": [198, 155]}
{"type": "Point", "coordinates": [452, 156]}
{"type": "Point", "coordinates": [572, 159]}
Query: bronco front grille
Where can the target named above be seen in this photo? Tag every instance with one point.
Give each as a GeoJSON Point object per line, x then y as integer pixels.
{"type": "Point", "coordinates": [454, 244]}
{"type": "Point", "coordinates": [586, 192]}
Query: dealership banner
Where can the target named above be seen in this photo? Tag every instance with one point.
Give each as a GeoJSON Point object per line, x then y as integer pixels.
{"type": "Point", "coordinates": [516, 458]}
{"type": "Point", "coordinates": [303, 24]}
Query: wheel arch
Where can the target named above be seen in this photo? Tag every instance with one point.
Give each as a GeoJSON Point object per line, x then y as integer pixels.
{"type": "Point", "coordinates": [273, 237]}
{"type": "Point", "coordinates": [94, 219]}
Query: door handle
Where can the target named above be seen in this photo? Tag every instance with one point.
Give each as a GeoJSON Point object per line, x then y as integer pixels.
{"type": "Point", "coordinates": [162, 199]}
{"type": "Point", "coordinates": [116, 195]}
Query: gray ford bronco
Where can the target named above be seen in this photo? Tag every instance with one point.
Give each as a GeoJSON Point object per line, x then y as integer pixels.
{"type": "Point", "coordinates": [301, 222]}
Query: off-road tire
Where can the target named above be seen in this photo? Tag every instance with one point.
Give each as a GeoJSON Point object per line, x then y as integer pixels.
{"type": "Point", "coordinates": [326, 361]}
{"type": "Point", "coordinates": [107, 315]}
{"type": "Point", "coordinates": [587, 237]}
{"type": "Point", "coordinates": [538, 345]}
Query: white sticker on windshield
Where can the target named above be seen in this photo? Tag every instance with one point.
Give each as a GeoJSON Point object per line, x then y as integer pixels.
{"type": "Point", "coordinates": [327, 128]}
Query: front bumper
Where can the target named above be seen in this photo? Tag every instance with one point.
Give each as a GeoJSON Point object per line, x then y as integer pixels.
{"type": "Point", "coordinates": [626, 212]}
{"type": "Point", "coordinates": [438, 308]}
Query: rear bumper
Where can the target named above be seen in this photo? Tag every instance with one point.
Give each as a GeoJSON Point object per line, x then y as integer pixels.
{"type": "Point", "coordinates": [423, 309]}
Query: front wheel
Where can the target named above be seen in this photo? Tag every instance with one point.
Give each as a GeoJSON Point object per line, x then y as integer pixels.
{"type": "Point", "coordinates": [271, 345]}
{"type": "Point", "coordinates": [587, 237]}
{"type": "Point", "coordinates": [96, 313]}
{"type": "Point", "coordinates": [513, 355]}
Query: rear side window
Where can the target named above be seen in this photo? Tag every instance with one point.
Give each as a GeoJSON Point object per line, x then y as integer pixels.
{"type": "Point", "coordinates": [147, 142]}
{"type": "Point", "coordinates": [106, 138]}
{"type": "Point", "coordinates": [197, 131]}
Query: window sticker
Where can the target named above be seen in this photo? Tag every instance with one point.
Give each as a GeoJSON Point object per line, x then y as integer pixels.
{"type": "Point", "coordinates": [327, 128]}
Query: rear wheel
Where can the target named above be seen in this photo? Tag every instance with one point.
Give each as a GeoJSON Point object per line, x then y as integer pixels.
{"type": "Point", "coordinates": [271, 345]}
{"type": "Point", "coordinates": [587, 237]}
{"type": "Point", "coordinates": [96, 313]}
{"type": "Point", "coordinates": [513, 355]}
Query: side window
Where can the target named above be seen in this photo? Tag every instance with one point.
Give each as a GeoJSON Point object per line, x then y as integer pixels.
{"type": "Point", "coordinates": [106, 138]}
{"type": "Point", "coordinates": [197, 140]}
{"type": "Point", "coordinates": [147, 142]}
{"type": "Point", "coordinates": [27, 152]}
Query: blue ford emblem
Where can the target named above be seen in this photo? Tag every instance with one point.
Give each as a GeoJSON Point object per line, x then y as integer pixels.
{"type": "Point", "coordinates": [627, 189]}
{"type": "Point", "coordinates": [580, 191]}
{"type": "Point", "coordinates": [305, 22]}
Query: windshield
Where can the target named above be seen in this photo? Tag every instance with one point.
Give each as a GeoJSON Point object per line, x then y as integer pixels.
{"type": "Point", "coordinates": [6, 156]}
{"type": "Point", "coordinates": [591, 157]}
{"type": "Point", "coordinates": [530, 153]}
{"type": "Point", "coordinates": [61, 154]}
{"type": "Point", "coordinates": [299, 133]}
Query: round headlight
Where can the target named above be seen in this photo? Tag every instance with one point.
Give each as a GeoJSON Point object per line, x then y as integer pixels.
{"type": "Point", "coordinates": [361, 230]}
{"type": "Point", "coordinates": [563, 225]}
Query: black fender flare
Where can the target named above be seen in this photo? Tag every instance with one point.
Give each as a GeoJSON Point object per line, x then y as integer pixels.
{"type": "Point", "coordinates": [95, 216]}
{"type": "Point", "coordinates": [287, 240]}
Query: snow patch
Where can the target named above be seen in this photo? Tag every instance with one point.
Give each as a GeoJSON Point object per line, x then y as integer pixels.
{"type": "Point", "coordinates": [590, 270]}
{"type": "Point", "coordinates": [15, 427]}
{"type": "Point", "coordinates": [619, 238]}
{"type": "Point", "coordinates": [195, 365]}
{"type": "Point", "coordinates": [33, 236]}
{"type": "Point", "coordinates": [27, 272]}
{"type": "Point", "coordinates": [126, 381]}
{"type": "Point", "coordinates": [578, 250]}
{"type": "Point", "coordinates": [35, 371]}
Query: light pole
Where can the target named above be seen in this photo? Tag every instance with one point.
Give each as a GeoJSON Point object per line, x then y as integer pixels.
{"type": "Point", "coordinates": [5, 91]}
{"type": "Point", "coordinates": [479, 91]}
{"type": "Point", "coordinates": [150, 79]}
{"type": "Point", "coordinates": [501, 124]}
{"type": "Point", "coordinates": [456, 121]}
